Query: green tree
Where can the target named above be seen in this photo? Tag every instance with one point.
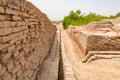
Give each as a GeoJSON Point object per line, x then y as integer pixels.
{"type": "Point", "coordinates": [76, 18]}
{"type": "Point", "coordinates": [118, 14]}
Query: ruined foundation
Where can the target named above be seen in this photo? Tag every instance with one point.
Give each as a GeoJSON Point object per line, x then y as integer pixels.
{"type": "Point", "coordinates": [97, 37]}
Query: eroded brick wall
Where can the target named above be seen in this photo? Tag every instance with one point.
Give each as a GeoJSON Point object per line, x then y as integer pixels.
{"type": "Point", "coordinates": [109, 41]}
{"type": "Point", "coordinates": [26, 35]}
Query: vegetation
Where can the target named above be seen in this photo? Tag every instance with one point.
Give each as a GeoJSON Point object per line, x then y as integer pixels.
{"type": "Point", "coordinates": [76, 18]}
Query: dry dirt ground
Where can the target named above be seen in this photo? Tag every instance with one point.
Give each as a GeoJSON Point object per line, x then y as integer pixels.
{"type": "Point", "coordinates": [101, 69]}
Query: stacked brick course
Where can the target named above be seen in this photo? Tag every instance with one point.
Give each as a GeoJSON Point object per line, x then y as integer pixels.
{"type": "Point", "coordinates": [99, 36]}
{"type": "Point", "coordinates": [26, 35]}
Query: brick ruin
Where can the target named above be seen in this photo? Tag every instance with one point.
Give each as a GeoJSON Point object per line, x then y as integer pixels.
{"type": "Point", "coordinates": [26, 35]}
{"type": "Point", "coordinates": [97, 36]}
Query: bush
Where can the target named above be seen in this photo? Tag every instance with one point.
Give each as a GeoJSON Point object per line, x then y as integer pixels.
{"type": "Point", "coordinates": [75, 18]}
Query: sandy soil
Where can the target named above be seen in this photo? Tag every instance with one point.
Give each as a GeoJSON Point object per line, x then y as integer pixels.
{"type": "Point", "coordinates": [101, 69]}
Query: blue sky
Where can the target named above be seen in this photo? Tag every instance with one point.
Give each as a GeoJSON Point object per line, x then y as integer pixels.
{"type": "Point", "coordinates": [57, 9]}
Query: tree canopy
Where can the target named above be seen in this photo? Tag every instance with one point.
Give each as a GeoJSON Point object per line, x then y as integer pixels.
{"type": "Point", "coordinates": [76, 18]}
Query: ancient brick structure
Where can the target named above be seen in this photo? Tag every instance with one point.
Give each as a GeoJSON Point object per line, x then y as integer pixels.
{"type": "Point", "coordinates": [26, 35]}
{"type": "Point", "coordinates": [97, 36]}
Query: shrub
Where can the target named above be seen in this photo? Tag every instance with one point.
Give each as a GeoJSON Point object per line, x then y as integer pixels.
{"type": "Point", "coordinates": [75, 18]}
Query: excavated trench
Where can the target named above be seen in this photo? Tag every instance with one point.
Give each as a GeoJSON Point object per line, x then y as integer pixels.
{"type": "Point", "coordinates": [60, 71]}
{"type": "Point", "coordinates": [52, 66]}
{"type": "Point", "coordinates": [64, 63]}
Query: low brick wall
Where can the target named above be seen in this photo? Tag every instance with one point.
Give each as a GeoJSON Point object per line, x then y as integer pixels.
{"type": "Point", "coordinates": [108, 41]}
{"type": "Point", "coordinates": [26, 35]}
{"type": "Point", "coordinates": [103, 43]}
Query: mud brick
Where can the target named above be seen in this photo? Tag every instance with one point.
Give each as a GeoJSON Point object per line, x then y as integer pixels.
{"type": "Point", "coordinates": [25, 27]}
{"type": "Point", "coordinates": [18, 43]}
{"type": "Point", "coordinates": [31, 58]}
{"type": "Point", "coordinates": [16, 18]}
{"type": "Point", "coordinates": [12, 36]}
{"type": "Point", "coordinates": [30, 11]}
{"type": "Point", "coordinates": [26, 50]}
{"type": "Point", "coordinates": [24, 40]}
{"type": "Point", "coordinates": [16, 69]}
{"type": "Point", "coordinates": [4, 17]}
{"type": "Point", "coordinates": [7, 76]}
{"type": "Point", "coordinates": [17, 61]}
{"type": "Point", "coordinates": [5, 57]}
{"type": "Point", "coordinates": [12, 6]}
{"type": "Point", "coordinates": [5, 39]}
{"type": "Point", "coordinates": [14, 41]}
{"type": "Point", "coordinates": [16, 54]}
{"type": "Point", "coordinates": [2, 9]}
{"type": "Point", "coordinates": [17, 29]}
{"type": "Point", "coordinates": [3, 71]}
{"type": "Point", "coordinates": [5, 31]}
{"type": "Point", "coordinates": [19, 33]}
{"type": "Point", "coordinates": [15, 35]}
{"type": "Point", "coordinates": [30, 73]}
{"type": "Point", "coordinates": [32, 23]}
{"type": "Point", "coordinates": [32, 29]}
{"type": "Point", "coordinates": [30, 20]}
{"type": "Point", "coordinates": [19, 23]}
{"type": "Point", "coordinates": [21, 54]}
{"type": "Point", "coordinates": [26, 31]}
{"type": "Point", "coordinates": [20, 13]}
{"type": "Point", "coordinates": [10, 11]}
{"type": "Point", "coordinates": [25, 14]}
{"type": "Point", "coordinates": [19, 75]}
{"type": "Point", "coordinates": [10, 66]}
{"type": "Point", "coordinates": [11, 48]}
{"type": "Point", "coordinates": [32, 26]}
{"type": "Point", "coordinates": [6, 23]}
{"type": "Point", "coordinates": [13, 78]}
{"type": "Point", "coordinates": [13, 24]}
{"type": "Point", "coordinates": [2, 2]}
{"type": "Point", "coordinates": [18, 47]}
{"type": "Point", "coordinates": [27, 65]}
{"type": "Point", "coordinates": [24, 23]}
{"type": "Point", "coordinates": [22, 9]}
{"type": "Point", "coordinates": [32, 16]}
{"type": "Point", "coordinates": [23, 61]}
{"type": "Point", "coordinates": [3, 46]}
{"type": "Point", "coordinates": [26, 78]}
{"type": "Point", "coordinates": [23, 36]}
{"type": "Point", "coordinates": [9, 6]}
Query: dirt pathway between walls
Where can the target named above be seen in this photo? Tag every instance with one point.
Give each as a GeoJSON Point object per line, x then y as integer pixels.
{"type": "Point", "coordinates": [49, 68]}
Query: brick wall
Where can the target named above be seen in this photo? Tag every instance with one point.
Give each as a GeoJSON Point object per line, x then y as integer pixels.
{"type": "Point", "coordinates": [79, 38]}
{"type": "Point", "coordinates": [26, 35]}
{"type": "Point", "coordinates": [109, 41]}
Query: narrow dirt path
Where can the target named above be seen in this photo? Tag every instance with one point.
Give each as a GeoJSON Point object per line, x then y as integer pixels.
{"type": "Point", "coordinates": [103, 69]}
{"type": "Point", "coordinates": [49, 68]}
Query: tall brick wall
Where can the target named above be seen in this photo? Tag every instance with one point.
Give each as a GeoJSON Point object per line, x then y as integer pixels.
{"type": "Point", "coordinates": [26, 35]}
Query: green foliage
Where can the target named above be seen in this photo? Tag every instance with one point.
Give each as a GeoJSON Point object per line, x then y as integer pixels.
{"type": "Point", "coordinates": [112, 17]}
{"type": "Point", "coordinates": [118, 14]}
{"type": "Point", "coordinates": [76, 18]}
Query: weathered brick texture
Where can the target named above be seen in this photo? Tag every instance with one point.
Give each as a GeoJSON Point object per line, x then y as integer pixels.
{"type": "Point", "coordinates": [97, 36]}
{"type": "Point", "coordinates": [26, 35]}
